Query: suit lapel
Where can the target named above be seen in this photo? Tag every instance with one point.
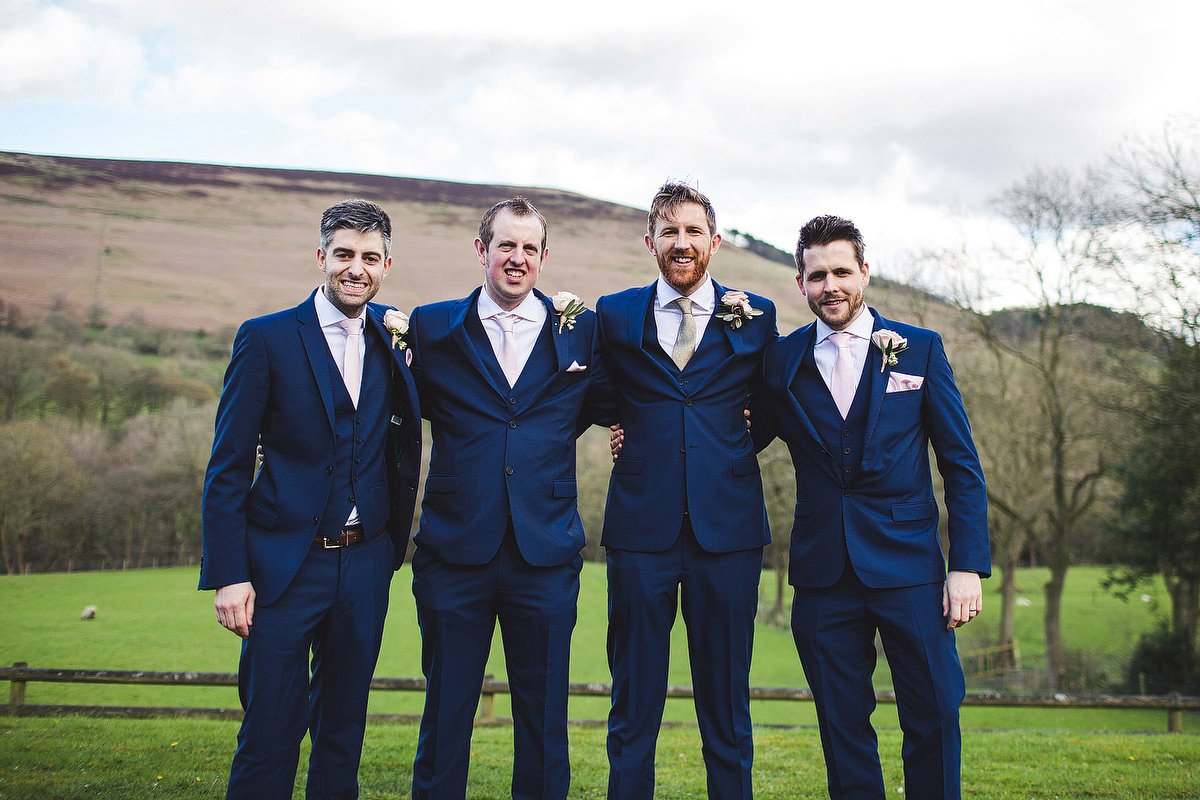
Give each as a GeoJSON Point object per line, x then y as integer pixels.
{"type": "Point", "coordinates": [399, 356]}
{"type": "Point", "coordinates": [644, 330]}
{"type": "Point", "coordinates": [317, 349]}
{"type": "Point", "coordinates": [878, 378]}
{"type": "Point", "coordinates": [799, 353]}
{"type": "Point", "coordinates": [458, 330]}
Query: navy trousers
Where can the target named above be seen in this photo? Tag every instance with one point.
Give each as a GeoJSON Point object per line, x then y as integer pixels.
{"type": "Point", "coordinates": [334, 608]}
{"type": "Point", "coordinates": [457, 608]}
{"type": "Point", "coordinates": [719, 597]}
{"type": "Point", "coordinates": [835, 630]}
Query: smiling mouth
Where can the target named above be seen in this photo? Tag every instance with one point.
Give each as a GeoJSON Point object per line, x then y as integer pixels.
{"type": "Point", "coordinates": [515, 274]}
{"type": "Point", "coordinates": [354, 287]}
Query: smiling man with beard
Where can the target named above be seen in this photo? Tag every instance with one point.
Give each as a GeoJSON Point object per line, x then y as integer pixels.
{"type": "Point", "coordinates": [685, 514]}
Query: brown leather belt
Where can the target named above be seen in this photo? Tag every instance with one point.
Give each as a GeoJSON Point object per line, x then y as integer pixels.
{"type": "Point", "coordinates": [352, 534]}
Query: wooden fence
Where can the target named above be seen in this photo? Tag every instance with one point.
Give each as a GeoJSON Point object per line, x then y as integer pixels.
{"type": "Point", "coordinates": [19, 674]}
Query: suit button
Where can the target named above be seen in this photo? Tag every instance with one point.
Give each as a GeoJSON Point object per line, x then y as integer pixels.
{"type": "Point", "coordinates": [846, 451]}
{"type": "Point", "coordinates": [358, 439]}
{"type": "Point", "coordinates": [849, 470]}
{"type": "Point", "coordinates": [358, 420]}
{"type": "Point", "coordinates": [683, 448]}
{"type": "Point", "coordinates": [512, 401]}
{"type": "Point", "coordinates": [351, 498]}
{"type": "Point", "coordinates": [687, 402]}
{"type": "Point", "coordinates": [509, 470]}
{"type": "Point", "coordinates": [846, 432]}
{"type": "Point", "coordinates": [355, 479]}
{"type": "Point", "coordinates": [329, 470]}
{"type": "Point", "coordinates": [512, 423]}
{"type": "Point", "coordinates": [845, 493]}
{"type": "Point", "coordinates": [316, 520]}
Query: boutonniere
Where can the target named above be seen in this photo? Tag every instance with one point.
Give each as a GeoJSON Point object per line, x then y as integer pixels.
{"type": "Point", "coordinates": [397, 324]}
{"type": "Point", "coordinates": [735, 309]}
{"type": "Point", "coordinates": [567, 306]}
{"type": "Point", "coordinates": [892, 344]}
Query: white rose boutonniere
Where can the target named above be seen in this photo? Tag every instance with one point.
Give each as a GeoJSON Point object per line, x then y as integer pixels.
{"type": "Point", "coordinates": [892, 344]}
{"type": "Point", "coordinates": [397, 324]}
{"type": "Point", "coordinates": [567, 306]}
{"type": "Point", "coordinates": [735, 309]}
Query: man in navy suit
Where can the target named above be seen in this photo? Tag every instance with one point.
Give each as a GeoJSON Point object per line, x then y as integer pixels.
{"type": "Point", "coordinates": [508, 380]}
{"type": "Point", "coordinates": [685, 514]}
{"type": "Point", "coordinates": [859, 399]}
{"type": "Point", "coordinates": [302, 555]}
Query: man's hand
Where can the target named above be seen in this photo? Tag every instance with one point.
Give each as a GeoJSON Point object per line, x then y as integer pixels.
{"type": "Point", "coordinates": [235, 607]}
{"type": "Point", "coordinates": [962, 598]}
{"type": "Point", "coordinates": [616, 440]}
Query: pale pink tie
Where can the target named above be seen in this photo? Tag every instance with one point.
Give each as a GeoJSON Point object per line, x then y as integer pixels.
{"type": "Point", "coordinates": [352, 360]}
{"type": "Point", "coordinates": [509, 357]}
{"type": "Point", "coordinates": [844, 382]}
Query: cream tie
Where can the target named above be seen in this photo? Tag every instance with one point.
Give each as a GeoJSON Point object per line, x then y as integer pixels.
{"type": "Point", "coordinates": [352, 360]}
{"type": "Point", "coordinates": [844, 382]}
{"type": "Point", "coordinates": [685, 339]}
{"type": "Point", "coordinates": [509, 357]}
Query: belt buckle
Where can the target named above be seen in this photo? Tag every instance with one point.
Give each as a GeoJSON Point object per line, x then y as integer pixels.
{"type": "Point", "coordinates": [331, 544]}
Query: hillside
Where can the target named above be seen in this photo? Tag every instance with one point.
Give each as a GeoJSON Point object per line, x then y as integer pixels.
{"type": "Point", "coordinates": [200, 246]}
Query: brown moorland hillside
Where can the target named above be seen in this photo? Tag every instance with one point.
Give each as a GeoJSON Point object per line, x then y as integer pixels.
{"type": "Point", "coordinates": [199, 246]}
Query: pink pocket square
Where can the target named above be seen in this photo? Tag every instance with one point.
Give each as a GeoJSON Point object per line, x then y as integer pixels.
{"type": "Point", "coordinates": [899, 382]}
{"type": "Point", "coordinates": [576, 367]}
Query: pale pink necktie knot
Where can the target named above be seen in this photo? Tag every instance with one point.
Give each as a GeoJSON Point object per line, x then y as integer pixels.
{"type": "Point", "coordinates": [352, 360]}
{"type": "Point", "coordinates": [844, 382]}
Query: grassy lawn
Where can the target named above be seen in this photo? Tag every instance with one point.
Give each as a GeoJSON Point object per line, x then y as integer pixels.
{"type": "Point", "coordinates": [156, 620]}
{"type": "Point", "coordinates": [186, 758]}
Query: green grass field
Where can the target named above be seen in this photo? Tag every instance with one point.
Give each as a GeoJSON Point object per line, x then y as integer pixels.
{"type": "Point", "coordinates": [156, 620]}
{"type": "Point", "coordinates": [74, 758]}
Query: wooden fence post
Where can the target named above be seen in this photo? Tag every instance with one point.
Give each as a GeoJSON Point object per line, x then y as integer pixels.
{"type": "Point", "coordinates": [1174, 716]}
{"type": "Point", "coordinates": [487, 703]}
{"type": "Point", "coordinates": [16, 691]}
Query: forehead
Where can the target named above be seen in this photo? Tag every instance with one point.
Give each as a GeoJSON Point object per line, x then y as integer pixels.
{"type": "Point", "coordinates": [830, 256]}
{"type": "Point", "coordinates": [684, 215]}
{"type": "Point", "coordinates": [508, 226]}
{"type": "Point", "coordinates": [350, 239]}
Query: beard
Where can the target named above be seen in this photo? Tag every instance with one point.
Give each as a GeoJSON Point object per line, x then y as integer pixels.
{"type": "Point", "coordinates": [681, 277]}
{"type": "Point", "coordinates": [843, 315]}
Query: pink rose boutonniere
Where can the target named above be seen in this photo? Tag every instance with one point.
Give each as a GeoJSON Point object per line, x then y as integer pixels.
{"type": "Point", "coordinates": [735, 309]}
{"type": "Point", "coordinates": [397, 324]}
{"type": "Point", "coordinates": [567, 307]}
{"type": "Point", "coordinates": [892, 344]}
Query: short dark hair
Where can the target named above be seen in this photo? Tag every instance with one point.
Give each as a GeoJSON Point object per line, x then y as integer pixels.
{"type": "Point", "coordinates": [827, 229]}
{"type": "Point", "coordinates": [520, 207]}
{"type": "Point", "coordinates": [671, 195]}
{"type": "Point", "coordinates": [360, 215]}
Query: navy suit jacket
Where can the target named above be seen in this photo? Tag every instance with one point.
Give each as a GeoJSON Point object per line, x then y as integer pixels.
{"type": "Point", "coordinates": [278, 386]}
{"type": "Point", "coordinates": [500, 451]}
{"type": "Point", "coordinates": [885, 512]}
{"type": "Point", "coordinates": [686, 445]}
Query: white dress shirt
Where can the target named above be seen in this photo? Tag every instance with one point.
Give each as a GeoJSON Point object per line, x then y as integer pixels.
{"type": "Point", "coordinates": [532, 313]}
{"type": "Point", "coordinates": [825, 351]}
{"type": "Point", "coordinates": [667, 315]}
{"type": "Point", "coordinates": [330, 317]}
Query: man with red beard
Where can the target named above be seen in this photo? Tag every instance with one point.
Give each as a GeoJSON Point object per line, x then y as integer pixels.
{"type": "Point", "coordinates": [685, 512]}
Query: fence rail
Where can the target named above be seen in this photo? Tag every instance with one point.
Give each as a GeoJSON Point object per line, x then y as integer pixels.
{"type": "Point", "coordinates": [20, 674]}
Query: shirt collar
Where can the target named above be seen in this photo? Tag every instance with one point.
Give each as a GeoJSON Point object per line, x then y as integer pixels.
{"type": "Point", "coordinates": [327, 313]}
{"type": "Point", "coordinates": [703, 298]}
{"type": "Point", "coordinates": [531, 308]}
{"type": "Point", "coordinates": [862, 327]}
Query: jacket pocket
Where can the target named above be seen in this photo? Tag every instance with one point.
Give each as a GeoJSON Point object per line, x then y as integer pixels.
{"type": "Point", "coordinates": [441, 484]}
{"type": "Point", "coordinates": [910, 512]}
{"type": "Point", "coordinates": [803, 509]}
{"type": "Point", "coordinates": [261, 516]}
{"type": "Point", "coordinates": [745, 466]}
{"type": "Point", "coordinates": [565, 489]}
{"type": "Point", "coordinates": [628, 466]}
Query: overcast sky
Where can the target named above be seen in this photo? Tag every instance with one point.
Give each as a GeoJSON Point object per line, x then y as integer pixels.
{"type": "Point", "coordinates": [900, 115]}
